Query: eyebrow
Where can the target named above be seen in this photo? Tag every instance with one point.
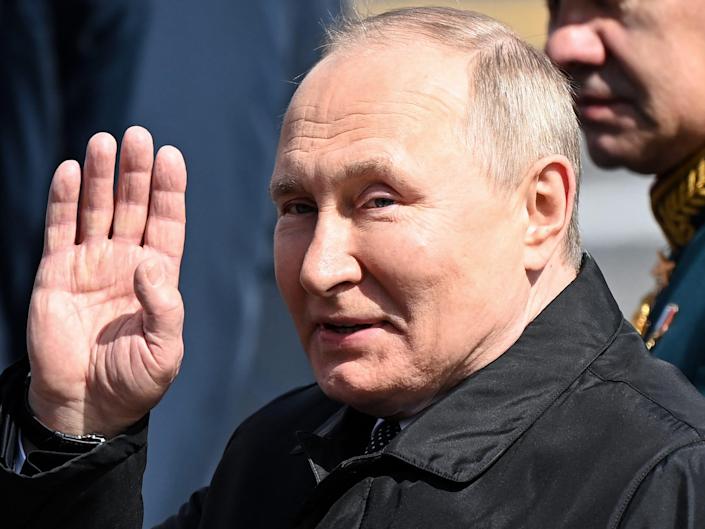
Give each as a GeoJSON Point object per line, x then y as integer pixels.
{"type": "Point", "coordinates": [358, 169]}
{"type": "Point", "coordinates": [284, 185]}
{"type": "Point", "coordinates": [288, 184]}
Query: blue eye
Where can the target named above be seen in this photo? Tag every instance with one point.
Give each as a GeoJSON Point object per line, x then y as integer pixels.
{"type": "Point", "coordinates": [298, 208]}
{"type": "Point", "coordinates": [380, 202]}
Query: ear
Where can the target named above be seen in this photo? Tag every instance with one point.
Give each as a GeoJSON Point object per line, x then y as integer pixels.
{"type": "Point", "coordinates": [550, 194]}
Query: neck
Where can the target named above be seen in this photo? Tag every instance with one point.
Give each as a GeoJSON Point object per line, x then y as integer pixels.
{"type": "Point", "coordinates": [547, 284]}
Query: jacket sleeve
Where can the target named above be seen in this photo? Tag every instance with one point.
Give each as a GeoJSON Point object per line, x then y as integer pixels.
{"type": "Point", "coordinates": [672, 495]}
{"type": "Point", "coordinates": [189, 515]}
{"type": "Point", "coordinates": [98, 489]}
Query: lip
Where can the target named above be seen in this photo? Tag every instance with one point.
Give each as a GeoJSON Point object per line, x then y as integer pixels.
{"type": "Point", "coordinates": [364, 331]}
{"type": "Point", "coordinates": [603, 109]}
{"type": "Point", "coordinates": [346, 320]}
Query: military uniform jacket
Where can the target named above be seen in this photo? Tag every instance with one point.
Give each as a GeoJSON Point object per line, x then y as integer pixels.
{"type": "Point", "coordinates": [684, 343]}
{"type": "Point", "coordinates": [676, 318]}
{"type": "Point", "coordinates": [575, 426]}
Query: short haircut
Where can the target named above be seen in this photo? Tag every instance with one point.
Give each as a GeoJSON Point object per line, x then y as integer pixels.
{"type": "Point", "coordinates": [522, 105]}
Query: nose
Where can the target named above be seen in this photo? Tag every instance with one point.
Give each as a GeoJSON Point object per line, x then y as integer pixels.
{"type": "Point", "coordinates": [575, 44]}
{"type": "Point", "coordinates": [329, 264]}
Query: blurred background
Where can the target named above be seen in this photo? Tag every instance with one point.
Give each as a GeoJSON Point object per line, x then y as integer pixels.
{"type": "Point", "coordinates": [214, 78]}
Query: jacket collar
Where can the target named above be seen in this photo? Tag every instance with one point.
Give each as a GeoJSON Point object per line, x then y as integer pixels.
{"type": "Point", "coordinates": [462, 434]}
{"type": "Point", "coordinates": [678, 200]}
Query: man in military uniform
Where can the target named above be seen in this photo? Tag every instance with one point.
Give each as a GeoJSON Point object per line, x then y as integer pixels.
{"type": "Point", "coordinates": [639, 69]}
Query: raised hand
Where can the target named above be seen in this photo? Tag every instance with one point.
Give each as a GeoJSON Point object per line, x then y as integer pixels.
{"type": "Point", "coordinates": [105, 321]}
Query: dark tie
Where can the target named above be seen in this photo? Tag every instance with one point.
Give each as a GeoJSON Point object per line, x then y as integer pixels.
{"type": "Point", "coordinates": [385, 432]}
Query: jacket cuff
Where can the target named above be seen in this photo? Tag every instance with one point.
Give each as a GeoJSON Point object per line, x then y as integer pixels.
{"type": "Point", "coordinates": [45, 449]}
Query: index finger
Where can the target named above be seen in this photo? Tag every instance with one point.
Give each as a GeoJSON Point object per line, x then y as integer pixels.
{"type": "Point", "coordinates": [166, 221]}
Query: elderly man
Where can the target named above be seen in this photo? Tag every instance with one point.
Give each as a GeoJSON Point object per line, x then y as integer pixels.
{"type": "Point", "coordinates": [639, 68]}
{"type": "Point", "coordinates": [427, 250]}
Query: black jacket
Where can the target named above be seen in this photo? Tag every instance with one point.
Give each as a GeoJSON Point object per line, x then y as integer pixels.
{"type": "Point", "coordinates": [575, 426]}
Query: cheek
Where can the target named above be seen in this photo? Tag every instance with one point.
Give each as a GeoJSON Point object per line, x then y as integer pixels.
{"type": "Point", "coordinates": [464, 288]}
{"type": "Point", "coordinates": [406, 263]}
{"type": "Point", "coordinates": [420, 273]}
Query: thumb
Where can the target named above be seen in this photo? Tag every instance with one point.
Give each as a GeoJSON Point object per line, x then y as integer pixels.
{"type": "Point", "coordinates": [161, 303]}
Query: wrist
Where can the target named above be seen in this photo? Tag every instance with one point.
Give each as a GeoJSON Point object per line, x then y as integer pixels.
{"type": "Point", "coordinates": [43, 437]}
{"type": "Point", "coordinates": [63, 421]}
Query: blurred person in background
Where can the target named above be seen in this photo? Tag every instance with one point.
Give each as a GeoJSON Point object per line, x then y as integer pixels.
{"type": "Point", "coordinates": [68, 69]}
{"type": "Point", "coordinates": [639, 68]}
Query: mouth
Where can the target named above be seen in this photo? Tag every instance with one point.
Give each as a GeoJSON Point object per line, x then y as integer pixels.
{"type": "Point", "coordinates": [586, 99]}
{"type": "Point", "coordinates": [603, 109]}
{"type": "Point", "coordinates": [345, 329]}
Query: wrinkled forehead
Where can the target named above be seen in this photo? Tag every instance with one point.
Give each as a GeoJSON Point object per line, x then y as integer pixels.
{"type": "Point", "coordinates": [391, 88]}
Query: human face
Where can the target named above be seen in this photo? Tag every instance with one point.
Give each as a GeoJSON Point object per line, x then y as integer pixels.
{"type": "Point", "coordinates": [400, 265]}
{"type": "Point", "coordinates": [639, 67]}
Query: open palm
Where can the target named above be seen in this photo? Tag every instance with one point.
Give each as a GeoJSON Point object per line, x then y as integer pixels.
{"type": "Point", "coordinates": [105, 321]}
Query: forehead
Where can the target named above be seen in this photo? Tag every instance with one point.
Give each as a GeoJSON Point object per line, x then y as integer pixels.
{"type": "Point", "coordinates": [382, 98]}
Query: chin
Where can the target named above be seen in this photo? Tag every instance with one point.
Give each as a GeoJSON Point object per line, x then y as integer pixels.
{"type": "Point", "coordinates": [606, 155]}
{"type": "Point", "coordinates": [372, 395]}
{"type": "Point", "coordinates": [612, 151]}
{"type": "Point", "coordinates": [354, 386]}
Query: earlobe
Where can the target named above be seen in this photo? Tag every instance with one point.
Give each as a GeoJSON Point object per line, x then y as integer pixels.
{"type": "Point", "coordinates": [550, 194]}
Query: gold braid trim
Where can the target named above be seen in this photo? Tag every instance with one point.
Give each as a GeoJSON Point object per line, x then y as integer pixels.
{"type": "Point", "coordinates": [678, 199]}
{"type": "Point", "coordinates": [678, 203]}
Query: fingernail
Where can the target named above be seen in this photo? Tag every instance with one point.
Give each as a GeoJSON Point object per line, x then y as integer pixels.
{"type": "Point", "coordinates": [154, 273]}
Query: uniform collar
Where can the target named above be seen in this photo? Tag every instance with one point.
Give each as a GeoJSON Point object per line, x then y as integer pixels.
{"type": "Point", "coordinates": [678, 200]}
{"type": "Point", "coordinates": [462, 434]}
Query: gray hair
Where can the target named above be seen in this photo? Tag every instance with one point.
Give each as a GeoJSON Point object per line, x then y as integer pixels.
{"type": "Point", "coordinates": [522, 105]}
